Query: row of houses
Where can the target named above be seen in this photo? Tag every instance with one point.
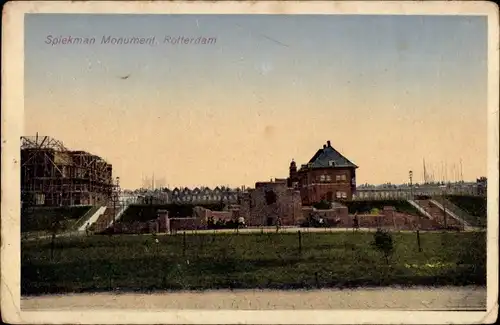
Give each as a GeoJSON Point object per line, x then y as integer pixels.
{"type": "Point", "coordinates": [190, 196]}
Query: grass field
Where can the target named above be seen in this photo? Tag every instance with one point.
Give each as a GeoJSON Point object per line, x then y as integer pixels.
{"type": "Point", "coordinates": [344, 259]}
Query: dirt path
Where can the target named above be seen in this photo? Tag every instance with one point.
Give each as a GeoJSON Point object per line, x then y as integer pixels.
{"type": "Point", "coordinates": [457, 298]}
{"type": "Point", "coordinates": [244, 231]}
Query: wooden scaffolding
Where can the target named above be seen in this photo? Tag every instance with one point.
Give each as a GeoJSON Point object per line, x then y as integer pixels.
{"type": "Point", "coordinates": [52, 175]}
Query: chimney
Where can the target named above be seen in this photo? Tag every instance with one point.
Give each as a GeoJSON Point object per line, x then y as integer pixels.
{"type": "Point", "coordinates": [328, 143]}
{"type": "Point", "coordinates": [324, 146]}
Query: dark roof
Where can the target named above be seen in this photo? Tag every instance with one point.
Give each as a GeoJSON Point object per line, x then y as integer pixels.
{"type": "Point", "coordinates": [323, 157]}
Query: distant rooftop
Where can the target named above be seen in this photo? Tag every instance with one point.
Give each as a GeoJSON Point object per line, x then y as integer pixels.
{"type": "Point", "coordinates": [329, 157]}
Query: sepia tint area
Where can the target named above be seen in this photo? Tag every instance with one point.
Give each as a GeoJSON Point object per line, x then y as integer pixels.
{"type": "Point", "coordinates": [254, 162]}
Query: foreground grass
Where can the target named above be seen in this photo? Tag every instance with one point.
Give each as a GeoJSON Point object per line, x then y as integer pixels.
{"type": "Point", "coordinates": [128, 262]}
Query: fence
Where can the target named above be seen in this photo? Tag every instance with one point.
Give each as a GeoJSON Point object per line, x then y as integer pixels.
{"type": "Point", "coordinates": [407, 193]}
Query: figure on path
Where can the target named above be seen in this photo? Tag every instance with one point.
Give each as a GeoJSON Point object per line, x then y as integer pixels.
{"type": "Point", "coordinates": [356, 221]}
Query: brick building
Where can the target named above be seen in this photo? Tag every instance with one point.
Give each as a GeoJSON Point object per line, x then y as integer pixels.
{"type": "Point", "coordinates": [327, 176]}
{"type": "Point", "coordinates": [271, 203]}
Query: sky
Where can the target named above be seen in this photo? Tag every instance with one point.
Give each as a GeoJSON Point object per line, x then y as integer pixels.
{"type": "Point", "coordinates": [387, 91]}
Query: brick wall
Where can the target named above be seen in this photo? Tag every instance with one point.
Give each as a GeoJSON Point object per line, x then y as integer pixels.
{"type": "Point", "coordinates": [329, 216]}
{"type": "Point", "coordinates": [258, 210]}
{"type": "Point", "coordinates": [204, 214]}
{"type": "Point", "coordinates": [165, 224]}
{"type": "Point", "coordinates": [179, 224]}
{"type": "Point", "coordinates": [389, 219]}
{"type": "Point", "coordinates": [221, 215]}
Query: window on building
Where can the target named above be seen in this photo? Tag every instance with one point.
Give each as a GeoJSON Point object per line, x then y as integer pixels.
{"type": "Point", "coordinates": [343, 177]}
{"type": "Point", "coordinates": [322, 178]}
{"type": "Point", "coordinates": [328, 178]}
{"type": "Point", "coordinates": [339, 195]}
{"type": "Point", "coordinates": [344, 195]}
{"type": "Point", "coordinates": [337, 177]}
{"type": "Point", "coordinates": [331, 163]}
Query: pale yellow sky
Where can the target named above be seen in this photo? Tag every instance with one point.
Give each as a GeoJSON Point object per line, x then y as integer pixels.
{"type": "Point", "coordinates": [399, 90]}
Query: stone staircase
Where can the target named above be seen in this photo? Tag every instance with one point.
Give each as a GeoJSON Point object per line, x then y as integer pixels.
{"type": "Point", "coordinates": [438, 214]}
{"type": "Point", "coordinates": [112, 213]}
{"type": "Point", "coordinates": [454, 211]}
{"type": "Point", "coordinates": [85, 218]}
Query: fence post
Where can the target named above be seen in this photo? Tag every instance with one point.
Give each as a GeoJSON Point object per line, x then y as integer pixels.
{"type": "Point", "coordinates": [300, 242]}
{"type": "Point", "coordinates": [52, 245]}
{"type": "Point", "coordinates": [184, 244]}
{"type": "Point", "coordinates": [418, 241]}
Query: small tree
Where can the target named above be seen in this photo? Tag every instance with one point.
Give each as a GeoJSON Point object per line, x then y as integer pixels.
{"type": "Point", "coordinates": [383, 243]}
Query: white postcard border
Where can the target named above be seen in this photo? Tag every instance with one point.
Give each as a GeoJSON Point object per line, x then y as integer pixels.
{"type": "Point", "coordinates": [12, 129]}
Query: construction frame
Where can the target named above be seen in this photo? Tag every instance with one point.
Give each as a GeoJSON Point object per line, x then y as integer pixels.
{"type": "Point", "coordinates": [52, 175]}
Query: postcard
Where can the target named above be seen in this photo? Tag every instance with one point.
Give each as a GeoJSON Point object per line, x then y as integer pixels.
{"type": "Point", "coordinates": [250, 162]}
